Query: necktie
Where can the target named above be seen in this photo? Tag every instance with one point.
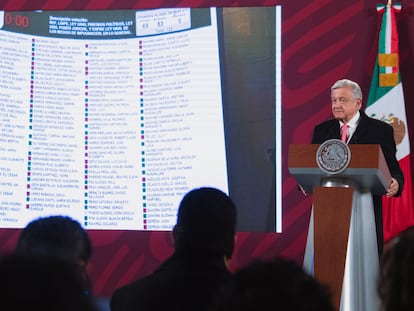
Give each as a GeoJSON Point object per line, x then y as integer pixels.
{"type": "Point", "coordinates": [344, 132]}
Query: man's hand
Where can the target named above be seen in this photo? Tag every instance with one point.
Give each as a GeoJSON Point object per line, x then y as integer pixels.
{"type": "Point", "coordinates": [393, 188]}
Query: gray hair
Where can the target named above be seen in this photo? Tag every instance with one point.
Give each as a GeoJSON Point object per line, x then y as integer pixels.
{"type": "Point", "coordinates": [355, 88]}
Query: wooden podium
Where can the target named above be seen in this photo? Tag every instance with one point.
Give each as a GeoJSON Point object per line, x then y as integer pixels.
{"type": "Point", "coordinates": [333, 199]}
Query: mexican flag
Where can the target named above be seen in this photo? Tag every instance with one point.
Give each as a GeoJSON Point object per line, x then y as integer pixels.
{"type": "Point", "coordinates": [386, 102]}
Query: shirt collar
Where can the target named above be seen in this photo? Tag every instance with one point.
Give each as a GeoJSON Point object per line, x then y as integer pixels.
{"type": "Point", "coordinates": [353, 122]}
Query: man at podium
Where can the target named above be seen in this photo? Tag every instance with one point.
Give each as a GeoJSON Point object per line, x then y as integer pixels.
{"type": "Point", "coordinates": [353, 126]}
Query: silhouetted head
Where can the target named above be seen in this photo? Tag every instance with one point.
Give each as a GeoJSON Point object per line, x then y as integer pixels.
{"type": "Point", "coordinates": [58, 236]}
{"type": "Point", "coordinates": [30, 282]}
{"type": "Point", "coordinates": [396, 277]}
{"type": "Point", "coordinates": [206, 222]}
{"type": "Point", "coordinates": [280, 285]}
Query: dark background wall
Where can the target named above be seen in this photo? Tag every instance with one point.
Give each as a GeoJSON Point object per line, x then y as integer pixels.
{"type": "Point", "coordinates": [323, 40]}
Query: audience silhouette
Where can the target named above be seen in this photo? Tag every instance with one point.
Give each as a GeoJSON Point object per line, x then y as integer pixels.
{"type": "Point", "coordinates": [203, 244]}
{"type": "Point", "coordinates": [396, 276]}
{"type": "Point", "coordinates": [63, 238]}
{"type": "Point", "coordinates": [31, 282]}
{"type": "Point", "coordinates": [280, 285]}
{"type": "Point", "coordinates": [59, 237]}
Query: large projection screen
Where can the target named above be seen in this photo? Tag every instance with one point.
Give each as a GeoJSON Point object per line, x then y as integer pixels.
{"type": "Point", "coordinates": [110, 117]}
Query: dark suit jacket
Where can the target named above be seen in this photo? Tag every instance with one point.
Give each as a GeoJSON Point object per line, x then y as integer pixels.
{"type": "Point", "coordinates": [368, 131]}
{"type": "Point", "coordinates": [184, 282]}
